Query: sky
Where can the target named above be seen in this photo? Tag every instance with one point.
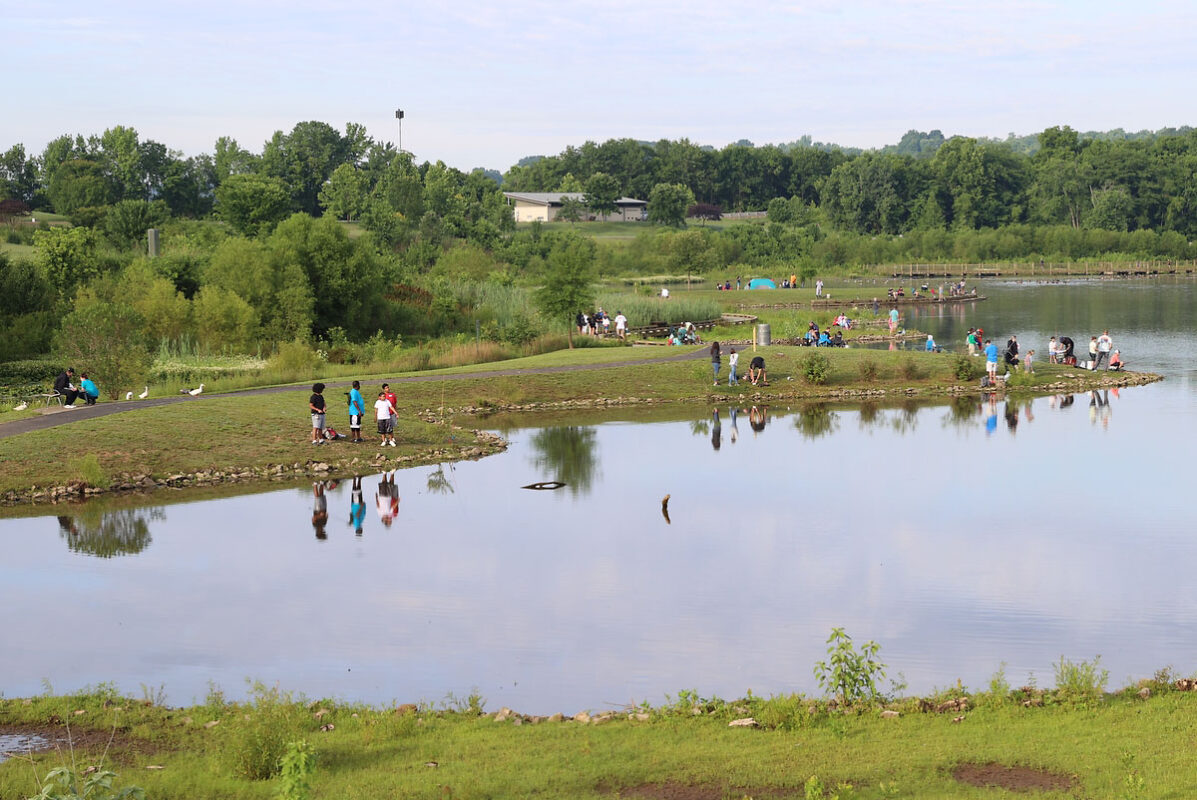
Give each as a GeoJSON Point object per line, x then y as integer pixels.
{"type": "Point", "coordinates": [484, 84]}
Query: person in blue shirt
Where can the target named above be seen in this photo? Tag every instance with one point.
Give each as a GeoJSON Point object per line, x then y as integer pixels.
{"type": "Point", "coordinates": [824, 339]}
{"type": "Point", "coordinates": [88, 387]}
{"type": "Point", "coordinates": [931, 348]}
{"type": "Point", "coordinates": [991, 355]}
{"type": "Point", "coordinates": [357, 408]}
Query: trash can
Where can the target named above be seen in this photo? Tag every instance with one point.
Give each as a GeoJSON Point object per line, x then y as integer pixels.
{"type": "Point", "coordinates": [763, 336]}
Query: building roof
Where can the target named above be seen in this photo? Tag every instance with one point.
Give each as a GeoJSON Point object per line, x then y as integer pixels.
{"type": "Point", "coordinates": [555, 198]}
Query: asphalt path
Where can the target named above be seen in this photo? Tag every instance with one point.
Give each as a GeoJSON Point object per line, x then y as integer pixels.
{"type": "Point", "coordinates": [81, 412]}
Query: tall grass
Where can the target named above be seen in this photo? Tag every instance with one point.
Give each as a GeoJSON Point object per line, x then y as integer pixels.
{"type": "Point", "coordinates": [646, 310]}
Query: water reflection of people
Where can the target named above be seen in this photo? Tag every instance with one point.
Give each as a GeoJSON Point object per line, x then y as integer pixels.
{"type": "Point", "coordinates": [357, 506]}
{"type": "Point", "coordinates": [319, 509]}
{"type": "Point", "coordinates": [1011, 414]}
{"type": "Point", "coordinates": [387, 499]}
{"type": "Point", "coordinates": [991, 418]}
{"type": "Point", "coordinates": [716, 431]}
{"type": "Point", "coordinates": [733, 412]}
{"type": "Point", "coordinates": [756, 418]}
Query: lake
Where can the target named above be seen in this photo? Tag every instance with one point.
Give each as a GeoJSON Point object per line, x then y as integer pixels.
{"type": "Point", "coordinates": [960, 537]}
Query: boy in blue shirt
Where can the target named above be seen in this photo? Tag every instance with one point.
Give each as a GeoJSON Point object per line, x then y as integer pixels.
{"type": "Point", "coordinates": [88, 387]}
{"type": "Point", "coordinates": [991, 354]}
{"type": "Point", "coordinates": [357, 409]}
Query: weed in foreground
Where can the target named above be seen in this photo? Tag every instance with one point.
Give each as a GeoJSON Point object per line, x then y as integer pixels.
{"type": "Point", "coordinates": [850, 675]}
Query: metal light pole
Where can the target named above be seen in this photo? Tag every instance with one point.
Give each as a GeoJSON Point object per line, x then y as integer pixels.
{"type": "Point", "coordinates": [399, 122]}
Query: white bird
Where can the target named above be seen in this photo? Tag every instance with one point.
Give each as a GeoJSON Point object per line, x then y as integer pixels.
{"type": "Point", "coordinates": [128, 395]}
{"type": "Point", "coordinates": [194, 392]}
{"type": "Point", "coordinates": [144, 394]}
{"type": "Point", "coordinates": [21, 407]}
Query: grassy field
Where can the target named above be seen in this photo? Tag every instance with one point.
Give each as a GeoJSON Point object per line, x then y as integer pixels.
{"type": "Point", "coordinates": [1061, 743]}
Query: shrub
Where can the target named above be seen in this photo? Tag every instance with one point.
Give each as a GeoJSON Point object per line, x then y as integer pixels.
{"type": "Point", "coordinates": [911, 370]}
{"type": "Point", "coordinates": [868, 370]}
{"type": "Point", "coordinates": [293, 357]}
{"type": "Point", "coordinates": [253, 744]}
{"type": "Point", "coordinates": [1081, 680]}
{"type": "Point", "coordinates": [965, 368]}
{"type": "Point", "coordinates": [88, 469]}
{"type": "Point", "coordinates": [64, 784]}
{"type": "Point", "coordinates": [815, 368]}
{"type": "Point", "coordinates": [849, 675]}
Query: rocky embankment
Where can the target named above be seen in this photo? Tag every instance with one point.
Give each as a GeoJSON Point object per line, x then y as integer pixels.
{"type": "Point", "coordinates": [485, 443]}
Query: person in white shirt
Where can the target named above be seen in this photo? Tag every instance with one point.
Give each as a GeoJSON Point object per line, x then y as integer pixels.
{"type": "Point", "coordinates": [382, 414]}
{"type": "Point", "coordinates": [732, 360]}
{"type": "Point", "coordinates": [1104, 345]}
{"type": "Point", "coordinates": [621, 325]}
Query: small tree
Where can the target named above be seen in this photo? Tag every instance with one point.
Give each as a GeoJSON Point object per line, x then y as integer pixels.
{"type": "Point", "coordinates": [126, 222]}
{"type": "Point", "coordinates": [849, 675]}
{"type": "Point", "coordinates": [704, 212]}
{"type": "Point", "coordinates": [567, 287]}
{"type": "Point", "coordinates": [106, 341]}
{"type": "Point", "coordinates": [571, 209]}
{"type": "Point", "coordinates": [667, 204]}
{"type": "Point", "coordinates": [602, 190]}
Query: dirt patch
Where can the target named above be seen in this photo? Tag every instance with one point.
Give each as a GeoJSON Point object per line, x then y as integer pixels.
{"type": "Point", "coordinates": [1016, 779]}
{"type": "Point", "coordinates": [55, 737]}
{"type": "Point", "coordinates": [672, 790]}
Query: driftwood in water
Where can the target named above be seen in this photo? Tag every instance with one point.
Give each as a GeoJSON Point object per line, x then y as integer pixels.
{"type": "Point", "coordinates": [544, 485]}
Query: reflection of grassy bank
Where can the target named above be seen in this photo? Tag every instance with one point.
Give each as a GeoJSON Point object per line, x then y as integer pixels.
{"type": "Point", "coordinates": [239, 432]}
{"type": "Point", "coordinates": [1092, 745]}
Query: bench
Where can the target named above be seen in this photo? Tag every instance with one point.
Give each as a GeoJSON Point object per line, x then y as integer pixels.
{"type": "Point", "coordinates": [50, 397]}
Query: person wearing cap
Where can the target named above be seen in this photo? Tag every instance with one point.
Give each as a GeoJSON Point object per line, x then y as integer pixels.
{"type": "Point", "coordinates": [63, 386]}
{"type": "Point", "coordinates": [930, 343]}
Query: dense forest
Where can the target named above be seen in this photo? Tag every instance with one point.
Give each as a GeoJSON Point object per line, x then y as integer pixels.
{"type": "Point", "coordinates": [328, 236]}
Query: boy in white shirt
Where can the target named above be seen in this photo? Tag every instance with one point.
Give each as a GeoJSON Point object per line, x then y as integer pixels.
{"type": "Point", "coordinates": [382, 414]}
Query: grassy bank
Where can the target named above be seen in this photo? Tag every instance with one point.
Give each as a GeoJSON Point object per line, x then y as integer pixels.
{"type": "Point", "coordinates": [1070, 741]}
{"type": "Point", "coordinates": [240, 432]}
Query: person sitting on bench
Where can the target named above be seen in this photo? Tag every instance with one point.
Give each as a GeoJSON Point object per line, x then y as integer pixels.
{"type": "Point", "coordinates": [62, 386]}
{"type": "Point", "coordinates": [88, 390]}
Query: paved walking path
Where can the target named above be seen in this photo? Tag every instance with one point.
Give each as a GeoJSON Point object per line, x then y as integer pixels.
{"type": "Point", "coordinates": [81, 412]}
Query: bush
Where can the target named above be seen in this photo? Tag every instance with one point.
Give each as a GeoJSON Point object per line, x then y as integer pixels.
{"type": "Point", "coordinates": [868, 370]}
{"type": "Point", "coordinates": [965, 368]}
{"type": "Point", "coordinates": [849, 675]}
{"type": "Point", "coordinates": [911, 370]}
{"type": "Point", "coordinates": [88, 469]}
{"type": "Point", "coordinates": [33, 370]}
{"type": "Point", "coordinates": [253, 744]}
{"type": "Point", "coordinates": [815, 368]}
{"type": "Point", "coordinates": [293, 357]}
{"type": "Point", "coordinates": [1081, 680]}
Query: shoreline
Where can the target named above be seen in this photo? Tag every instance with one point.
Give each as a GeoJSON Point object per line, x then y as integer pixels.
{"type": "Point", "coordinates": [484, 443]}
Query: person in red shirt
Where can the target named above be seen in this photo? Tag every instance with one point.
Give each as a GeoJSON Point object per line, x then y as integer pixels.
{"type": "Point", "coordinates": [390, 396]}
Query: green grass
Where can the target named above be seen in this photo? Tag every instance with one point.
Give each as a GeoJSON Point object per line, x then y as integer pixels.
{"type": "Point", "coordinates": [17, 251]}
{"type": "Point", "coordinates": [1112, 747]}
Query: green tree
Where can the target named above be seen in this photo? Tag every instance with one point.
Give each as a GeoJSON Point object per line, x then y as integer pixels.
{"type": "Point", "coordinates": [121, 156]}
{"type": "Point", "coordinates": [252, 204]}
{"type": "Point", "coordinates": [230, 158]}
{"type": "Point", "coordinates": [602, 190]}
{"type": "Point", "coordinates": [667, 204]}
{"type": "Point", "coordinates": [572, 209]}
{"type": "Point", "coordinates": [77, 184]}
{"type": "Point", "coordinates": [344, 195]}
{"type": "Point", "coordinates": [223, 321]}
{"type": "Point", "coordinates": [106, 340]}
{"type": "Point", "coordinates": [275, 286]}
{"type": "Point", "coordinates": [1111, 209]}
{"type": "Point", "coordinates": [126, 222]}
{"type": "Point", "coordinates": [568, 286]}
{"type": "Point", "coordinates": [570, 184]}
{"type": "Point", "coordinates": [691, 252]}
{"type": "Point", "coordinates": [67, 257]}
{"type": "Point", "coordinates": [304, 159]}
{"type": "Point", "coordinates": [18, 175]}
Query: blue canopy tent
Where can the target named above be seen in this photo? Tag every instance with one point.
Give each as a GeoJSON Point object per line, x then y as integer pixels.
{"type": "Point", "coordinates": [761, 283]}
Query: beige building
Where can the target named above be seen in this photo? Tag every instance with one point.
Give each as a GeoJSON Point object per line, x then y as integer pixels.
{"type": "Point", "coordinates": [545, 206]}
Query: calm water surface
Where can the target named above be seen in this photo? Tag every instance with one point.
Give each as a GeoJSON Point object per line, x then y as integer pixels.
{"type": "Point", "coordinates": [959, 537]}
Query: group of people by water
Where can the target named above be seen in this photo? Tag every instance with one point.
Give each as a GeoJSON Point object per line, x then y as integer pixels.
{"type": "Point", "coordinates": [385, 415]}
{"type": "Point", "coordinates": [1061, 350]}
{"type": "Point", "coordinates": [756, 367]}
{"type": "Point", "coordinates": [64, 386]}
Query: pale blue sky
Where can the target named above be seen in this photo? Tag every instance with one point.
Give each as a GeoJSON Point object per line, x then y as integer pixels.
{"type": "Point", "coordinates": [486, 83]}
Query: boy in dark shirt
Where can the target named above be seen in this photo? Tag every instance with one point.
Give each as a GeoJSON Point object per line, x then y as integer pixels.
{"type": "Point", "coordinates": [316, 404]}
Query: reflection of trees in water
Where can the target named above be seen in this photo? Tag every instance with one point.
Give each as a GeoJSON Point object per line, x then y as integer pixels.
{"type": "Point", "coordinates": [700, 427]}
{"type": "Point", "coordinates": [905, 417]}
{"type": "Point", "coordinates": [112, 533]}
{"type": "Point", "coordinates": [961, 412]}
{"type": "Point", "coordinates": [815, 420]}
{"type": "Point", "coordinates": [870, 415]}
{"type": "Point", "coordinates": [568, 454]}
{"type": "Point", "coordinates": [439, 482]}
